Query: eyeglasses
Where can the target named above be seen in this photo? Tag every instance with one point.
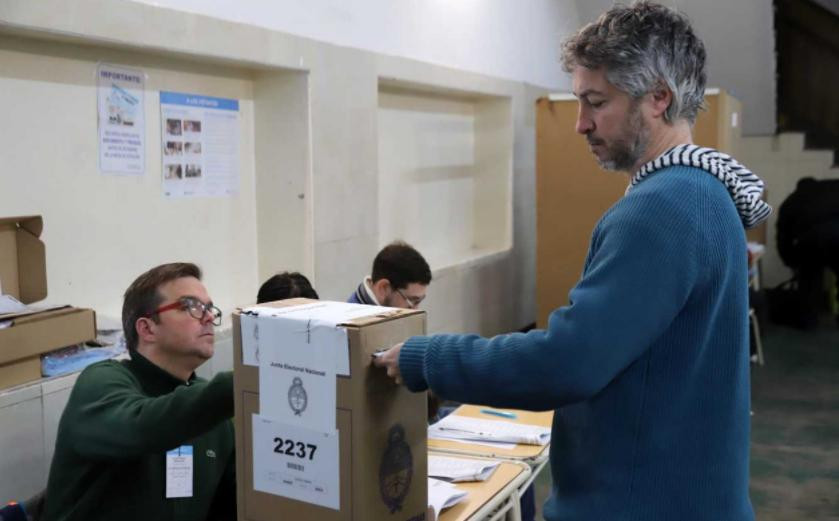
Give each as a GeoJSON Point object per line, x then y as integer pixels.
{"type": "Point", "coordinates": [410, 299]}
{"type": "Point", "coordinates": [194, 307]}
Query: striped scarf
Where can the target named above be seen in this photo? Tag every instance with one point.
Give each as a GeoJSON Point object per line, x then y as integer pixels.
{"type": "Point", "coordinates": [744, 187]}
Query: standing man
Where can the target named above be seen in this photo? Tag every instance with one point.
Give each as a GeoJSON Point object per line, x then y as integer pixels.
{"type": "Point", "coordinates": [145, 438]}
{"type": "Point", "coordinates": [647, 368]}
{"type": "Point", "coordinates": [399, 279]}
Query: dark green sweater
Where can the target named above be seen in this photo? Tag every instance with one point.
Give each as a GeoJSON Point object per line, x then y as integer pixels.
{"type": "Point", "coordinates": [110, 453]}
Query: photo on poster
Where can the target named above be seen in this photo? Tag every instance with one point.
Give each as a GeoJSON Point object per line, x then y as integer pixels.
{"type": "Point", "coordinates": [173, 148]}
{"type": "Point", "coordinates": [192, 126]}
{"type": "Point", "coordinates": [123, 107]}
{"type": "Point", "coordinates": [173, 172]}
{"type": "Point", "coordinates": [193, 171]}
{"type": "Point", "coordinates": [173, 127]}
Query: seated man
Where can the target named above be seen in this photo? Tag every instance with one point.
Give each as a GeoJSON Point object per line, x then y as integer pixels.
{"type": "Point", "coordinates": [127, 426]}
{"type": "Point", "coordinates": [399, 279]}
{"type": "Point", "coordinates": [286, 285]}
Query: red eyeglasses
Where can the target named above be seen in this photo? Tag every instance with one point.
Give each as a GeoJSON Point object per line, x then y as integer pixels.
{"type": "Point", "coordinates": [194, 307]}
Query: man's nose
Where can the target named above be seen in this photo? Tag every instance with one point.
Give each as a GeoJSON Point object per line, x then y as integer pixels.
{"type": "Point", "coordinates": [584, 124]}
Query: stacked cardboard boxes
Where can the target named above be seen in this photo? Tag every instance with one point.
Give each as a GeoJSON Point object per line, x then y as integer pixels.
{"type": "Point", "coordinates": [25, 335]}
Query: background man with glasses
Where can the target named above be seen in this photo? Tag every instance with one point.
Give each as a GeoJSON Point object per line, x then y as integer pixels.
{"type": "Point", "coordinates": [146, 438]}
{"type": "Point", "coordinates": [399, 279]}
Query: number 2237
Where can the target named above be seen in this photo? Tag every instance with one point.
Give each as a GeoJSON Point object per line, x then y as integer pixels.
{"type": "Point", "coordinates": [294, 448]}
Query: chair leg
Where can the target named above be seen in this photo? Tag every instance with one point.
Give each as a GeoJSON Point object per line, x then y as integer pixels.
{"type": "Point", "coordinates": [758, 343]}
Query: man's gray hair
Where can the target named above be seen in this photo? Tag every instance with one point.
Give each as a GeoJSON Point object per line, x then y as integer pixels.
{"type": "Point", "coordinates": [641, 47]}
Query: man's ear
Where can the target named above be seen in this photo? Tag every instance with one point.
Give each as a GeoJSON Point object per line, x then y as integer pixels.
{"type": "Point", "coordinates": [381, 288]}
{"type": "Point", "coordinates": [146, 330]}
{"type": "Point", "coordinates": [661, 97]}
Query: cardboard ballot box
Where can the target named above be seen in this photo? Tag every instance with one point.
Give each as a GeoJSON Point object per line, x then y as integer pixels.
{"type": "Point", "coordinates": [26, 335]}
{"type": "Point", "coordinates": [310, 450]}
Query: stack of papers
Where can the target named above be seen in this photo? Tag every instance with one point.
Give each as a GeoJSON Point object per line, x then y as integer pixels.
{"type": "Point", "coordinates": [460, 469]}
{"type": "Point", "coordinates": [463, 428]}
{"type": "Point", "coordinates": [442, 495]}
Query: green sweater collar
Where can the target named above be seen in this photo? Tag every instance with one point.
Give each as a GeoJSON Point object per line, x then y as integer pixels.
{"type": "Point", "coordinates": [156, 380]}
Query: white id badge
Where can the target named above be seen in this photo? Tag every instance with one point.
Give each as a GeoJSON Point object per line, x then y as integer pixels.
{"type": "Point", "coordinates": [179, 472]}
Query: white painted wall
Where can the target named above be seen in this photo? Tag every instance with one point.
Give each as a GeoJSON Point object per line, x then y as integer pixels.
{"type": "Point", "coordinates": [512, 40]}
{"type": "Point", "coordinates": [740, 43]}
{"type": "Point", "coordinates": [102, 231]}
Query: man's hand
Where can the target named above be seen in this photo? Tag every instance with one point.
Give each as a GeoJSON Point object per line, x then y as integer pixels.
{"type": "Point", "coordinates": [390, 360]}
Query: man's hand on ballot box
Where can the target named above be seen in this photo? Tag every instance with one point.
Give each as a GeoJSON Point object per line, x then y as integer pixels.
{"type": "Point", "coordinates": [390, 360]}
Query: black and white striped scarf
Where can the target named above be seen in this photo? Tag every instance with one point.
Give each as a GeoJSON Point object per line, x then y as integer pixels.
{"type": "Point", "coordinates": [744, 186]}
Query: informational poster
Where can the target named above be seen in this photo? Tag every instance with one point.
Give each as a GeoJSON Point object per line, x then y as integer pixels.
{"type": "Point", "coordinates": [296, 463]}
{"type": "Point", "coordinates": [200, 145]}
{"type": "Point", "coordinates": [121, 122]}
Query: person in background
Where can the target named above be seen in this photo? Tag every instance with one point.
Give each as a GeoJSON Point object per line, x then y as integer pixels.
{"type": "Point", "coordinates": [399, 279]}
{"type": "Point", "coordinates": [286, 285]}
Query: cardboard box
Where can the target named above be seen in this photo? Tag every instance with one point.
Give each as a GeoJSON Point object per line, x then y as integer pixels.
{"type": "Point", "coordinates": [369, 406]}
{"type": "Point", "coordinates": [23, 275]}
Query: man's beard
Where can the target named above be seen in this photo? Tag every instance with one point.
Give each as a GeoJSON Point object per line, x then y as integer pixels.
{"type": "Point", "coordinates": [624, 153]}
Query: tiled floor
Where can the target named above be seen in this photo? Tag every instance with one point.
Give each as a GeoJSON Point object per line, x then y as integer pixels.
{"type": "Point", "coordinates": [795, 427]}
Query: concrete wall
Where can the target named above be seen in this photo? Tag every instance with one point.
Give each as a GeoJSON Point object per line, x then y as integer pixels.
{"type": "Point", "coordinates": [512, 40]}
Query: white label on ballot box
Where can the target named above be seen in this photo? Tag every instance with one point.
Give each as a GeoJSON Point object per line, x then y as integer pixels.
{"type": "Point", "coordinates": [179, 472]}
{"type": "Point", "coordinates": [296, 463]}
{"type": "Point", "coordinates": [326, 313]}
{"type": "Point", "coordinates": [297, 371]}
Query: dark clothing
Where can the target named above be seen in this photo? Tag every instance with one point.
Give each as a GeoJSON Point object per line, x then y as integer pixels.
{"type": "Point", "coordinates": [110, 454]}
{"type": "Point", "coordinates": [361, 296]}
{"type": "Point", "coordinates": [808, 240]}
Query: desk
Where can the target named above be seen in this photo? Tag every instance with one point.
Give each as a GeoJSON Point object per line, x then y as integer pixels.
{"type": "Point", "coordinates": [491, 500]}
{"type": "Point", "coordinates": [534, 455]}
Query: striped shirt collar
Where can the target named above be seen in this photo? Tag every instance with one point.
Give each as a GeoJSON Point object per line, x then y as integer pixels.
{"type": "Point", "coordinates": [364, 293]}
{"type": "Point", "coordinates": [744, 186]}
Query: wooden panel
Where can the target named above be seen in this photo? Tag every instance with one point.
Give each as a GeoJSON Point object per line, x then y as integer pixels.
{"type": "Point", "coordinates": [572, 192]}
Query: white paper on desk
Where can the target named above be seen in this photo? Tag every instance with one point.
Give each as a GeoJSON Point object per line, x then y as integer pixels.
{"type": "Point", "coordinates": [460, 469]}
{"type": "Point", "coordinates": [9, 304]}
{"type": "Point", "coordinates": [297, 371]}
{"type": "Point", "coordinates": [296, 463]}
{"type": "Point", "coordinates": [469, 441]}
{"type": "Point", "coordinates": [442, 495]}
{"type": "Point", "coordinates": [463, 427]}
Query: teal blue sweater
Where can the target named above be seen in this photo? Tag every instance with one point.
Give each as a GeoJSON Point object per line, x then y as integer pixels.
{"type": "Point", "coordinates": [647, 367]}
